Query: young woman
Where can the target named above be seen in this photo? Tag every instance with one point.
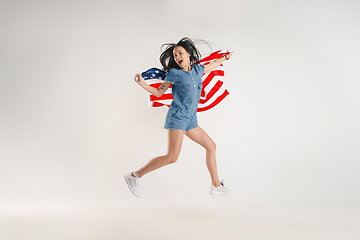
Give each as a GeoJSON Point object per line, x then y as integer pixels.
{"type": "Point", "coordinates": [181, 118]}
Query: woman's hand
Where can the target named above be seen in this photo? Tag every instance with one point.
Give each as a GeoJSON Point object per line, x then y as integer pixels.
{"type": "Point", "coordinates": [139, 79]}
{"type": "Point", "coordinates": [228, 55]}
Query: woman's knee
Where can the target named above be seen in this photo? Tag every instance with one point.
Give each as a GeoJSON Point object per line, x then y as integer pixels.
{"type": "Point", "coordinates": [211, 147]}
{"type": "Point", "coordinates": [172, 159]}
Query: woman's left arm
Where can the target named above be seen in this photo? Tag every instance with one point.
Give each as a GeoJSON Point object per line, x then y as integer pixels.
{"type": "Point", "coordinates": [217, 62]}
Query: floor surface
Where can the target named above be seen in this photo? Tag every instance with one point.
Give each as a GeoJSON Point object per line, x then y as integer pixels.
{"type": "Point", "coordinates": [183, 222]}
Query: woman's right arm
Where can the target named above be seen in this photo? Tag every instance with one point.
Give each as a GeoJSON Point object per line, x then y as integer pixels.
{"type": "Point", "coordinates": [158, 92]}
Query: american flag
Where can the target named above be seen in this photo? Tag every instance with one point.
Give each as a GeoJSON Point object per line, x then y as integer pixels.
{"type": "Point", "coordinates": [213, 91]}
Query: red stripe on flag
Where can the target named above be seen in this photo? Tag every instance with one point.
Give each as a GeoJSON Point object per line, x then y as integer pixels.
{"type": "Point", "coordinates": [219, 99]}
{"type": "Point", "coordinates": [212, 92]}
{"type": "Point", "coordinates": [212, 56]}
{"type": "Point", "coordinates": [165, 96]}
{"type": "Point", "coordinates": [157, 104]}
{"type": "Point", "coordinates": [211, 75]}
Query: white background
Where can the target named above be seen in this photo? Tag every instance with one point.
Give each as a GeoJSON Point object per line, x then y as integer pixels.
{"type": "Point", "coordinates": [73, 121]}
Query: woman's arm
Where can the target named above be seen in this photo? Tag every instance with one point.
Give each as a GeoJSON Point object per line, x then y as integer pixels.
{"type": "Point", "coordinates": [217, 62]}
{"type": "Point", "coordinates": [158, 92]}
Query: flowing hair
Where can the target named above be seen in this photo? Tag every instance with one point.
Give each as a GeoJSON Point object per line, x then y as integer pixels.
{"type": "Point", "coordinates": [167, 57]}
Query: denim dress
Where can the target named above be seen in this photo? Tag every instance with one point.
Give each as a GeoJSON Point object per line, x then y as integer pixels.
{"type": "Point", "coordinates": [186, 90]}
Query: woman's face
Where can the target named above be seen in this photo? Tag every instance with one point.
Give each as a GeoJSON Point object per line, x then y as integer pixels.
{"type": "Point", "coordinates": [181, 57]}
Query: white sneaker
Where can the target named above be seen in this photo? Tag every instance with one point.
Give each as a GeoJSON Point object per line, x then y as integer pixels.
{"type": "Point", "coordinates": [220, 190]}
{"type": "Point", "coordinates": [133, 184]}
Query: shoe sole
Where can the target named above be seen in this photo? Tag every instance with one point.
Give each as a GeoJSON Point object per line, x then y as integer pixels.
{"type": "Point", "coordinates": [128, 184]}
{"type": "Point", "coordinates": [221, 193]}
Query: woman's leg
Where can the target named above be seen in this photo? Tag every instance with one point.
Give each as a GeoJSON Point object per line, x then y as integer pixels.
{"type": "Point", "coordinates": [175, 138]}
{"type": "Point", "coordinates": [199, 136]}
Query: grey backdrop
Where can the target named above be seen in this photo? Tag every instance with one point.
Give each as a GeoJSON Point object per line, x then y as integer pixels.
{"type": "Point", "coordinates": [73, 122]}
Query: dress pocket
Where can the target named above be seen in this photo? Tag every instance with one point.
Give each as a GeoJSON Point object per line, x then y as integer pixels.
{"type": "Point", "coordinates": [183, 88]}
{"type": "Point", "coordinates": [174, 112]}
{"type": "Point", "coordinates": [183, 92]}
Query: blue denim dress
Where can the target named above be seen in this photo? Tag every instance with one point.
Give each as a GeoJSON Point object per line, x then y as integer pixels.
{"type": "Point", "coordinates": [186, 90]}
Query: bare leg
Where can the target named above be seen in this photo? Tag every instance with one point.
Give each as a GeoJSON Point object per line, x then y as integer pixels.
{"type": "Point", "coordinates": [175, 138]}
{"type": "Point", "coordinates": [199, 136]}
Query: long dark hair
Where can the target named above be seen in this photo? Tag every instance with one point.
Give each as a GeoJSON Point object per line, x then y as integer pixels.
{"type": "Point", "coordinates": [167, 56]}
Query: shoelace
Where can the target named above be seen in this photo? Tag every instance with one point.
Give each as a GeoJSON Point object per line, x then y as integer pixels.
{"type": "Point", "coordinates": [222, 182]}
